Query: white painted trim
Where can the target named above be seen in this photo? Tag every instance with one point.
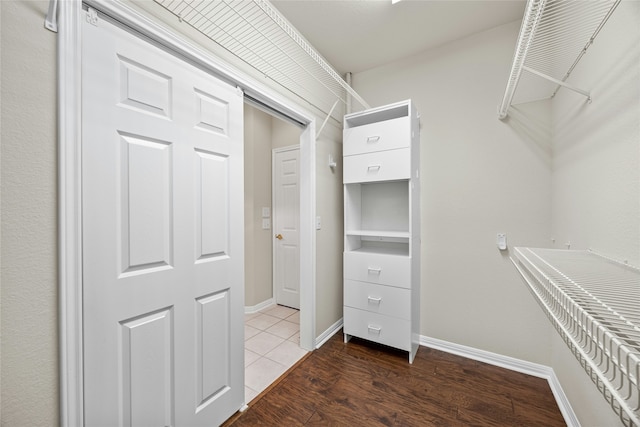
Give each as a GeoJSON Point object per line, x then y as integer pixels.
{"type": "Point", "coordinates": [69, 215]}
{"type": "Point", "coordinates": [273, 206]}
{"type": "Point", "coordinates": [308, 237]}
{"type": "Point", "coordinates": [562, 400]}
{"type": "Point", "coordinates": [513, 364]}
{"type": "Point", "coordinates": [331, 331]}
{"type": "Point", "coordinates": [249, 309]}
{"type": "Point", "coordinates": [69, 173]}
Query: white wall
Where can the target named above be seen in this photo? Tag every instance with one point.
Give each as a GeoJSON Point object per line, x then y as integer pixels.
{"type": "Point", "coordinates": [596, 173]}
{"type": "Point", "coordinates": [555, 169]}
{"type": "Point", "coordinates": [480, 176]}
{"type": "Point", "coordinates": [596, 158]}
{"type": "Point", "coordinates": [29, 284]}
{"type": "Point", "coordinates": [330, 240]}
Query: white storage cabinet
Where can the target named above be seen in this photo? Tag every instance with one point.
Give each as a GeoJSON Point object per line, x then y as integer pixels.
{"type": "Point", "coordinates": [382, 226]}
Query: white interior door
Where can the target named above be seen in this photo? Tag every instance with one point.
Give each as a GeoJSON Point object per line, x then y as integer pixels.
{"type": "Point", "coordinates": [163, 296]}
{"type": "Point", "coordinates": [286, 226]}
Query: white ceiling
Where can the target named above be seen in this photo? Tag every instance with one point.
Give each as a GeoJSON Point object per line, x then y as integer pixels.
{"type": "Point", "coordinates": [357, 35]}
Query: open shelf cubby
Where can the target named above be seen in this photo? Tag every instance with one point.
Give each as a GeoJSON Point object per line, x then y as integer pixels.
{"type": "Point", "coordinates": [377, 217]}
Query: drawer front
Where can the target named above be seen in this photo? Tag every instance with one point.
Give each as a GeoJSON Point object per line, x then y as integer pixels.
{"type": "Point", "coordinates": [386, 300]}
{"type": "Point", "coordinates": [378, 328]}
{"type": "Point", "coordinates": [380, 136]}
{"type": "Point", "coordinates": [378, 268]}
{"type": "Point", "coordinates": [378, 166]}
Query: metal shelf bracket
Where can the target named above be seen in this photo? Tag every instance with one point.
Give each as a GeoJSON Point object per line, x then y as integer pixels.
{"type": "Point", "coordinates": [51, 20]}
{"type": "Point", "coordinates": [558, 82]}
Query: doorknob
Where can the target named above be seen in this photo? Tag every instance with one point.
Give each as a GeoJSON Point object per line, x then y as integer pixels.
{"type": "Point", "coordinates": [279, 236]}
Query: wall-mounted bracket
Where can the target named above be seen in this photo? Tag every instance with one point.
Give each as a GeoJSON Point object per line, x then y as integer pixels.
{"type": "Point", "coordinates": [51, 20]}
{"type": "Point", "coordinates": [558, 82]}
{"type": "Point", "coordinates": [327, 119]}
{"type": "Point", "coordinates": [332, 162]}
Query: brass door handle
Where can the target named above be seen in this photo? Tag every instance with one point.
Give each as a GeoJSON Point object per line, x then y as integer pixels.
{"type": "Point", "coordinates": [279, 236]}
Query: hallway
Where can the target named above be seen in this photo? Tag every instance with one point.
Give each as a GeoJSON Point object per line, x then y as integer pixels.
{"type": "Point", "coordinates": [271, 346]}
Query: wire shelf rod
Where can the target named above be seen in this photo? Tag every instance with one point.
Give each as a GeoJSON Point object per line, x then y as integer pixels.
{"type": "Point", "coordinates": [531, 19]}
{"type": "Point", "coordinates": [257, 34]}
{"type": "Point", "coordinates": [548, 37]}
{"type": "Point", "coordinates": [552, 45]}
{"type": "Point", "coordinates": [589, 43]}
{"type": "Point", "coordinates": [232, 19]}
{"type": "Point", "coordinates": [578, 291]}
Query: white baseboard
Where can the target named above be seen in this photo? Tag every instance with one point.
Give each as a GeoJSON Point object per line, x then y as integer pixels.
{"type": "Point", "coordinates": [256, 308]}
{"type": "Point", "coordinates": [331, 331]}
{"type": "Point", "coordinates": [563, 401]}
{"type": "Point", "coordinates": [513, 364]}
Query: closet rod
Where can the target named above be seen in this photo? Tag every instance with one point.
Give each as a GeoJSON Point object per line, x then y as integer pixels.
{"type": "Point", "coordinates": [527, 30]}
{"type": "Point", "coordinates": [552, 39]}
{"type": "Point", "coordinates": [589, 43]}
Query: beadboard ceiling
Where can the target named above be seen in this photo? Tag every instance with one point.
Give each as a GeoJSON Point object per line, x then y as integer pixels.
{"type": "Point", "coordinates": [357, 35]}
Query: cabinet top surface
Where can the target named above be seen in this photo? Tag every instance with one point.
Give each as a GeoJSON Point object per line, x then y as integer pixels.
{"type": "Point", "coordinates": [379, 114]}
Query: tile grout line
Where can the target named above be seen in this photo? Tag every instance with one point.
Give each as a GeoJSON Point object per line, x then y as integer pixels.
{"type": "Point", "coordinates": [264, 329]}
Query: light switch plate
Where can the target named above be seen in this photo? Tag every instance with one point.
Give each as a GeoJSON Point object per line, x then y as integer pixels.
{"type": "Point", "coordinates": [266, 212]}
{"type": "Point", "coordinates": [266, 224]}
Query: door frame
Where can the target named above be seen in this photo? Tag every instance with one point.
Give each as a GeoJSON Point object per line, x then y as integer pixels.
{"type": "Point", "coordinates": [273, 209]}
{"type": "Point", "coordinates": [70, 181]}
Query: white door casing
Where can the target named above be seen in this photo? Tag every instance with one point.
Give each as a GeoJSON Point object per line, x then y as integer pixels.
{"type": "Point", "coordinates": [286, 226]}
{"type": "Point", "coordinates": [163, 236]}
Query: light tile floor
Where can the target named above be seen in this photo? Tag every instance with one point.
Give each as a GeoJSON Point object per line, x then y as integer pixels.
{"type": "Point", "coordinates": [271, 346]}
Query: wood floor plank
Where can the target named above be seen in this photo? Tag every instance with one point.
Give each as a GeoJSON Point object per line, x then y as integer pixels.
{"type": "Point", "coordinates": [365, 384]}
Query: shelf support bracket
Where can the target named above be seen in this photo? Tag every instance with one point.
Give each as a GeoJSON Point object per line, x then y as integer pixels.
{"type": "Point", "coordinates": [327, 119]}
{"type": "Point", "coordinates": [558, 82]}
{"type": "Point", "coordinates": [51, 20]}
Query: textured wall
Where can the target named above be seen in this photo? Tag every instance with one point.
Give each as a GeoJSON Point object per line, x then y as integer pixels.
{"type": "Point", "coordinates": [257, 193]}
{"type": "Point", "coordinates": [29, 203]}
{"type": "Point", "coordinates": [284, 134]}
{"type": "Point", "coordinates": [329, 240]}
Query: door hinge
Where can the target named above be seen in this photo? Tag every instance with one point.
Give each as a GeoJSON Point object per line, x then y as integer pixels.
{"type": "Point", "coordinates": [92, 16]}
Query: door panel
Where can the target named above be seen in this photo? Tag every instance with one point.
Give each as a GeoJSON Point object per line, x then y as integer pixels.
{"type": "Point", "coordinates": [213, 358]}
{"type": "Point", "coordinates": [145, 203]}
{"type": "Point", "coordinates": [286, 220]}
{"type": "Point", "coordinates": [212, 209]}
{"type": "Point", "coordinates": [163, 275]}
{"type": "Point", "coordinates": [147, 363]}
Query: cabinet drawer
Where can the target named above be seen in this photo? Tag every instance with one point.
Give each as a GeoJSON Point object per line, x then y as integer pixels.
{"type": "Point", "coordinates": [380, 136]}
{"type": "Point", "coordinates": [386, 300]}
{"type": "Point", "coordinates": [378, 166]}
{"type": "Point", "coordinates": [378, 328]}
{"type": "Point", "coordinates": [378, 268]}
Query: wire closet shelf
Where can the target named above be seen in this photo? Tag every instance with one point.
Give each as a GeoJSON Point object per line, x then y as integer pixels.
{"type": "Point", "coordinates": [554, 36]}
{"type": "Point", "coordinates": [594, 303]}
{"type": "Point", "coordinates": [255, 32]}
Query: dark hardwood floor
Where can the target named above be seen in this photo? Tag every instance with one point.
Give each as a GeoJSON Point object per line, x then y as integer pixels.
{"type": "Point", "coordinates": [363, 384]}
